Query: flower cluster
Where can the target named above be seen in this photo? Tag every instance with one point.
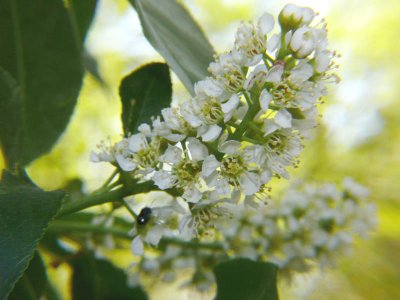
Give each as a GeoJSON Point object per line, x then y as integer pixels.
{"type": "Point", "coordinates": [310, 225]}
{"type": "Point", "coordinates": [245, 123]}
{"type": "Point", "coordinates": [216, 153]}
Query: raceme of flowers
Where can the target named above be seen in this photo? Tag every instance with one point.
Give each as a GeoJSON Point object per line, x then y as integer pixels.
{"type": "Point", "coordinates": [217, 152]}
{"type": "Point", "coordinates": [245, 123]}
{"type": "Point", "coordinates": [310, 225]}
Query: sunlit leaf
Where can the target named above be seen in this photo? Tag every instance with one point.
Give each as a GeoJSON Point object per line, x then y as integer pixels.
{"type": "Point", "coordinates": [176, 36]}
{"type": "Point", "coordinates": [40, 51]}
{"type": "Point", "coordinates": [244, 279]}
{"type": "Point", "coordinates": [144, 93]}
{"type": "Point", "coordinates": [25, 212]}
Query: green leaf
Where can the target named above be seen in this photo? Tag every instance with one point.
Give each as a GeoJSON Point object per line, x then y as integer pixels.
{"type": "Point", "coordinates": [25, 212]}
{"type": "Point", "coordinates": [175, 35]}
{"type": "Point", "coordinates": [82, 13]}
{"type": "Point", "coordinates": [144, 93]}
{"type": "Point", "coordinates": [10, 102]}
{"type": "Point", "coordinates": [34, 282]}
{"type": "Point", "coordinates": [40, 51]}
{"type": "Point", "coordinates": [244, 279]}
{"type": "Point", "coordinates": [99, 279]}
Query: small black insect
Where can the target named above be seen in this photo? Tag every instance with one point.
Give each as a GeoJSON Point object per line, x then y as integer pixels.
{"type": "Point", "coordinates": [144, 216]}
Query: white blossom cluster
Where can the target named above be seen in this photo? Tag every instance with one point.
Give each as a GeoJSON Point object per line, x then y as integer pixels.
{"type": "Point", "coordinates": [216, 153]}
{"type": "Point", "coordinates": [310, 225]}
{"type": "Point", "coordinates": [245, 122]}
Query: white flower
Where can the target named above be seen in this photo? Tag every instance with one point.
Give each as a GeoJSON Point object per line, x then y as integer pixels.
{"type": "Point", "coordinates": [106, 153]}
{"type": "Point", "coordinates": [303, 42]}
{"type": "Point", "coordinates": [251, 39]}
{"type": "Point", "coordinates": [183, 169]}
{"type": "Point", "coordinates": [237, 168]}
{"type": "Point", "coordinates": [123, 156]}
{"type": "Point", "coordinates": [227, 69]}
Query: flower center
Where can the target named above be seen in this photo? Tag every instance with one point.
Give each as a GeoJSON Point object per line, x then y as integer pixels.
{"type": "Point", "coordinates": [283, 94]}
{"type": "Point", "coordinates": [212, 112]}
{"type": "Point", "coordinates": [232, 166]}
{"type": "Point", "coordinates": [187, 172]}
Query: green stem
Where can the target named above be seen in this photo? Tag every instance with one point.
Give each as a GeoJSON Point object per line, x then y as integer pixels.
{"type": "Point", "coordinates": [108, 181]}
{"type": "Point", "coordinates": [251, 113]}
{"type": "Point", "coordinates": [255, 127]}
{"type": "Point", "coordinates": [110, 196]}
{"type": "Point", "coordinates": [129, 209]}
{"type": "Point", "coordinates": [250, 140]}
{"type": "Point", "coordinates": [192, 244]}
{"type": "Point", "coordinates": [67, 227]}
{"type": "Point", "coordinates": [282, 50]}
{"type": "Point", "coordinates": [248, 98]}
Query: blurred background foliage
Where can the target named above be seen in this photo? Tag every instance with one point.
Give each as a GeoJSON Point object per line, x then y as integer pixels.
{"type": "Point", "coordinates": [358, 136]}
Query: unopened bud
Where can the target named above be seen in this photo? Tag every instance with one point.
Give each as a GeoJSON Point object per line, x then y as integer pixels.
{"type": "Point", "coordinates": [292, 16]}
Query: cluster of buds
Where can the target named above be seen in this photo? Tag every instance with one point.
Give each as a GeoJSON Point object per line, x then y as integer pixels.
{"type": "Point", "coordinates": [217, 152]}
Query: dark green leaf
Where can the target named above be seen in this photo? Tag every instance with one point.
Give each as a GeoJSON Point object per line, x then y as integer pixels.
{"type": "Point", "coordinates": [176, 36]}
{"type": "Point", "coordinates": [34, 282]}
{"type": "Point", "coordinates": [40, 51]}
{"type": "Point", "coordinates": [82, 13]}
{"type": "Point", "coordinates": [99, 279]}
{"type": "Point", "coordinates": [244, 279]}
{"type": "Point", "coordinates": [25, 212]}
{"type": "Point", "coordinates": [144, 93]}
{"type": "Point", "coordinates": [91, 65]}
{"type": "Point", "coordinates": [10, 102]}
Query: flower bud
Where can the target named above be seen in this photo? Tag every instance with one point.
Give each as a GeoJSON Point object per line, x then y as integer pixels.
{"type": "Point", "coordinates": [292, 17]}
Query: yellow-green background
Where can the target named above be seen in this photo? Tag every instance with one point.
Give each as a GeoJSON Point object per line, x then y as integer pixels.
{"type": "Point", "coordinates": [359, 136]}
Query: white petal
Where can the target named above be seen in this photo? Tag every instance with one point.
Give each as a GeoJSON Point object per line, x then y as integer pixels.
{"type": "Point", "coordinates": [209, 133]}
{"type": "Point", "coordinates": [163, 179]}
{"type": "Point", "coordinates": [137, 142]}
{"type": "Point", "coordinates": [209, 87]}
{"type": "Point", "coordinates": [172, 155]}
{"type": "Point", "coordinates": [283, 118]}
{"type": "Point", "coordinates": [273, 42]}
{"type": "Point", "coordinates": [174, 137]}
{"type": "Point", "coordinates": [229, 147]}
{"type": "Point", "coordinates": [223, 188]}
{"type": "Point", "coordinates": [265, 100]}
{"type": "Point", "coordinates": [266, 23]}
{"type": "Point", "coordinates": [250, 183]}
{"type": "Point", "coordinates": [322, 61]}
{"type": "Point", "coordinates": [125, 163]}
{"type": "Point", "coordinates": [189, 115]}
{"type": "Point", "coordinates": [137, 247]}
{"type": "Point", "coordinates": [210, 164]}
{"type": "Point", "coordinates": [197, 150]}
{"type": "Point", "coordinates": [154, 235]}
{"type": "Point", "coordinates": [265, 176]}
{"type": "Point", "coordinates": [231, 104]}
{"type": "Point", "coordinates": [192, 194]}
{"type": "Point", "coordinates": [275, 74]}
{"type": "Point", "coordinates": [145, 129]}
{"type": "Point", "coordinates": [269, 126]}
